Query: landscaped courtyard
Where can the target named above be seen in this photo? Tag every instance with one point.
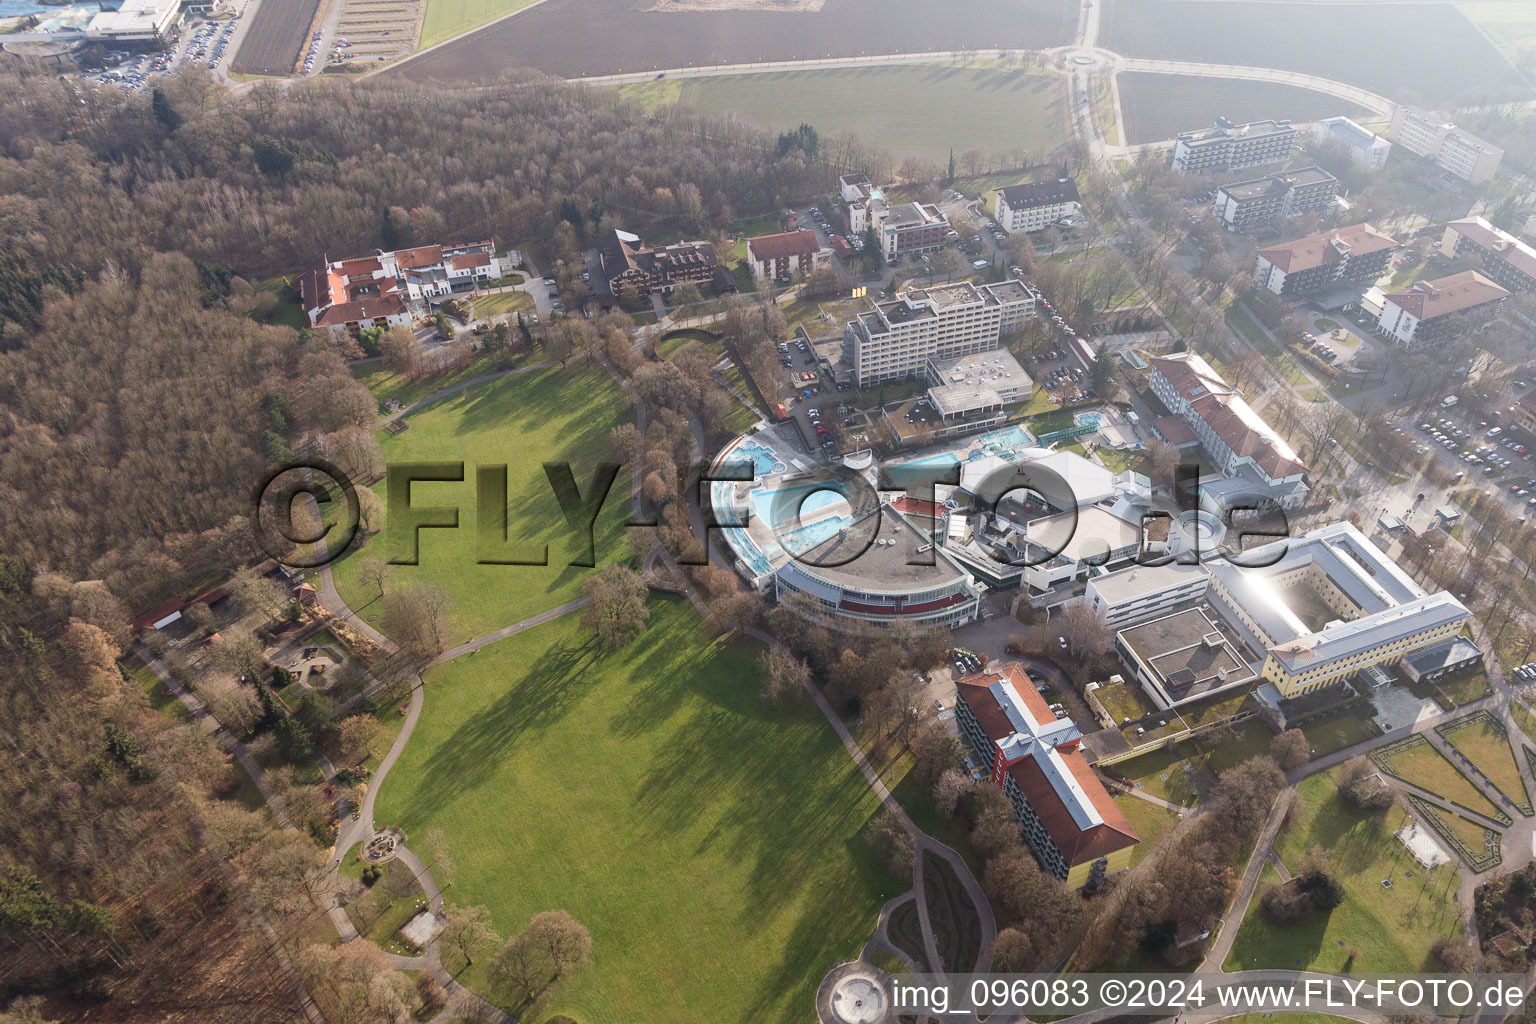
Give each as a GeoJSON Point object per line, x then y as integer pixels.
{"type": "Point", "coordinates": [522, 421]}
{"type": "Point", "coordinates": [1160, 773]}
{"type": "Point", "coordinates": [710, 843]}
{"type": "Point", "coordinates": [1377, 928]}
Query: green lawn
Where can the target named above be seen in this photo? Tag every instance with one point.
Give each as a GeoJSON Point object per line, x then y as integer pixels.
{"type": "Point", "coordinates": [502, 302]}
{"type": "Point", "coordinates": [521, 421]}
{"type": "Point", "coordinates": [1464, 689]}
{"type": "Point", "coordinates": [1391, 929]}
{"type": "Point", "coordinates": [1335, 732]}
{"type": "Point", "coordinates": [286, 312]}
{"type": "Point", "coordinates": [448, 18]}
{"type": "Point", "coordinates": [1149, 769]}
{"type": "Point", "coordinates": [154, 691]}
{"type": "Point", "coordinates": [1483, 741]}
{"type": "Point", "coordinates": [386, 384]}
{"type": "Point", "coordinates": [941, 106]}
{"type": "Point", "coordinates": [710, 844]}
{"type": "Point", "coordinates": [1221, 751]}
{"type": "Point", "coordinates": [1525, 720]}
{"type": "Point", "coordinates": [1424, 766]}
{"type": "Point", "coordinates": [1149, 821]}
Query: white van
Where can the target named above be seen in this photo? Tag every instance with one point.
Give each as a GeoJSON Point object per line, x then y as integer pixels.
{"type": "Point", "coordinates": [980, 265]}
{"type": "Point", "coordinates": [1450, 400]}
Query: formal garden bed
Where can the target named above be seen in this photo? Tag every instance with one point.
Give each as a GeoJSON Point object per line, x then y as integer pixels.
{"type": "Point", "coordinates": [1475, 844]}
{"type": "Point", "coordinates": [1483, 741]}
{"type": "Point", "coordinates": [1414, 760]}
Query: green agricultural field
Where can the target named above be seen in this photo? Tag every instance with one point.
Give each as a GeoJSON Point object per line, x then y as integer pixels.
{"type": "Point", "coordinates": [1483, 741]}
{"type": "Point", "coordinates": [448, 18]}
{"type": "Point", "coordinates": [1149, 821]}
{"type": "Point", "coordinates": [521, 421]}
{"type": "Point", "coordinates": [1149, 769]}
{"type": "Point", "coordinates": [711, 844]}
{"type": "Point", "coordinates": [1509, 26]}
{"type": "Point", "coordinates": [1391, 930]}
{"type": "Point", "coordinates": [920, 110]}
{"type": "Point", "coordinates": [1425, 767]}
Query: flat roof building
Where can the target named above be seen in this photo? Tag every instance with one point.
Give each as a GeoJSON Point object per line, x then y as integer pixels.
{"type": "Point", "coordinates": [1225, 146]}
{"type": "Point", "coordinates": [1368, 150]}
{"type": "Point", "coordinates": [1261, 202]}
{"type": "Point", "coordinates": [1077, 831]}
{"type": "Point", "coordinates": [1357, 254]}
{"type": "Point", "coordinates": [912, 227]}
{"type": "Point", "coordinates": [1425, 133]}
{"type": "Point", "coordinates": [896, 338]}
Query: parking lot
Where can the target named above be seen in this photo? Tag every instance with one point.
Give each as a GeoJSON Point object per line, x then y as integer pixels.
{"type": "Point", "coordinates": [817, 401]}
{"type": "Point", "coordinates": [201, 44]}
{"type": "Point", "coordinates": [369, 32]}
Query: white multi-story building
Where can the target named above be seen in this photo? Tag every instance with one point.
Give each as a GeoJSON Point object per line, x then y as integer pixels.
{"type": "Point", "coordinates": [1036, 205]}
{"type": "Point", "coordinates": [1249, 205]}
{"type": "Point", "coordinates": [1368, 150]}
{"type": "Point", "coordinates": [1426, 133]}
{"type": "Point", "coordinates": [896, 338]}
{"type": "Point", "coordinates": [1229, 147]}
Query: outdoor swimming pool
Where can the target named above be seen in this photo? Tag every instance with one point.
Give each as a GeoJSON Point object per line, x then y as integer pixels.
{"type": "Point", "coordinates": [787, 501]}
{"type": "Point", "coordinates": [925, 468]}
{"type": "Point", "coordinates": [763, 461]}
{"type": "Point", "coordinates": [1008, 437]}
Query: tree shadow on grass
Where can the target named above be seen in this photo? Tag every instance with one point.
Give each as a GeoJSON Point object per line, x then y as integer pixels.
{"type": "Point", "coordinates": [545, 693]}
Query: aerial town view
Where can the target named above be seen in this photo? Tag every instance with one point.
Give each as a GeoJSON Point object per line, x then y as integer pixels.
{"type": "Point", "coordinates": [767, 511]}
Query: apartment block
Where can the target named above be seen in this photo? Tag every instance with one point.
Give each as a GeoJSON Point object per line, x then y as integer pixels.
{"type": "Point", "coordinates": [1499, 255]}
{"type": "Point", "coordinates": [1358, 254]}
{"type": "Point", "coordinates": [1427, 134]}
{"type": "Point", "coordinates": [1077, 832]}
{"type": "Point", "coordinates": [1250, 205]}
{"type": "Point", "coordinates": [896, 338]}
{"type": "Point", "coordinates": [1225, 146]}
{"type": "Point", "coordinates": [912, 227]}
{"type": "Point", "coordinates": [1430, 311]}
{"type": "Point", "coordinates": [1036, 205]}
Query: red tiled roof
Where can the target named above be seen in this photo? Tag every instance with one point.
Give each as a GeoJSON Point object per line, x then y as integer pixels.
{"type": "Point", "coordinates": [776, 247]}
{"type": "Point", "coordinates": [1500, 244]}
{"type": "Point", "coordinates": [422, 256]}
{"type": "Point", "coordinates": [468, 260]}
{"type": "Point", "coordinates": [1228, 414]}
{"type": "Point", "coordinates": [993, 721]}
{"type": "Point", "coordinates": [362, 309]}
{"type": "Point", "coordinates": [314, 285]}
{"type": "Point", "coordinates": [1077, 846]}
{"type": "Point", "coordinates": [1429, 299]}
{"type": "Point", "coordinates": [1174, 430]}
{"type": "Point", "coordinates": [362, 266]}
{"type": "Point", "coordinates": [1326, 247]}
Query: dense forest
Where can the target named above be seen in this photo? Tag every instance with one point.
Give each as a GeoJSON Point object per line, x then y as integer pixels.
{"type": "Point", "coordinates": [136, 390]}
{"type": "Point", "coordinates": [141, 401]}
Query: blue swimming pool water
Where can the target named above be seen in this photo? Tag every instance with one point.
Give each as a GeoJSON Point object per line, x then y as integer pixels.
{"type": "Point", "coordinates": [925, 468]}
{"type": "Point", "coordinates": [803, 498]}
{"type": "Point", "coordinates": [1008, 437]}
{"type": "Point", "coordinates": [762, 458]}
